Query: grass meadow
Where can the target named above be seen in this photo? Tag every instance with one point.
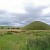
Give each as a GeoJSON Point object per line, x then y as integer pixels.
{"type": "Point", "coordinates": [25, 40]}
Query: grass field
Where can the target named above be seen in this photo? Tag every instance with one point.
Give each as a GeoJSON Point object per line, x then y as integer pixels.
{"type": "Point", "coordinates": [25, 40]}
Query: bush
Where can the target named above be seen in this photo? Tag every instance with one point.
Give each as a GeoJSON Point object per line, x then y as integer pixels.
{"type": "Point", "coordinates": [9, 33]}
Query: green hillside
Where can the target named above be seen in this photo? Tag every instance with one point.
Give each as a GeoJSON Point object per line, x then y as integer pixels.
{"type": "Point", "coordinates": [37, 25]}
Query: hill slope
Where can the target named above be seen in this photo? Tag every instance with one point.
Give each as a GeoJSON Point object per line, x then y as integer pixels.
{"type": "Point", "coordinates": [37, 25]}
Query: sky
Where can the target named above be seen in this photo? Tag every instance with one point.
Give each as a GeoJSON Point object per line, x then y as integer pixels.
{"type": "Point", "coordinates": [22, 12]}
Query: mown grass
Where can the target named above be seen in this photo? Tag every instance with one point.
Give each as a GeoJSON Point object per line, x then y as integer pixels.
{"type": "Point", "coordinates": [29, 40]}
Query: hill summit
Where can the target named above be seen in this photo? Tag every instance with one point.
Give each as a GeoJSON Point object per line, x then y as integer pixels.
{"type": "Point", "coordinates": [37, 25]}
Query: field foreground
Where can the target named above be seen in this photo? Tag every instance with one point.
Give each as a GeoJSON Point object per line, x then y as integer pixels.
{"type": "Point", "coordinates": [24, 39]}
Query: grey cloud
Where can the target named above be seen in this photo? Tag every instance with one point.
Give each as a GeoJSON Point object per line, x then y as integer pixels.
{"type": "Point", "coordinates": [19, 19]}
{"type": "Point", "coordinates": [33, 13]}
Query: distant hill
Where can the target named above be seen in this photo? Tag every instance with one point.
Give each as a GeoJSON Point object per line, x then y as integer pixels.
{"type": "Point", "coordinates": [37, 25]}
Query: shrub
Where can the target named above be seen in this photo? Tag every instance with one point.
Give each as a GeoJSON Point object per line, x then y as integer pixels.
{"type": "Point", "coordinates": [1, 27]}
{"type": "Point", "coordinates": [9, 33]}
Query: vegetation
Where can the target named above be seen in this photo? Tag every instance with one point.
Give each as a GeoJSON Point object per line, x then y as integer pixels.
{"type": "Point", "coordinates": [37, 25]}
{"type": "Point", "coordinates": [9, 27]}
{"type": "Point", "coordinates": [28, 40]}
{"type": "Point", "coordinates": [34, 36]}
{"type": "Point", "coordinates": [9, 33]}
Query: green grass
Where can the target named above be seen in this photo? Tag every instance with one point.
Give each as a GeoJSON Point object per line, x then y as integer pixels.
{"type": "Point", "coordinates": [29, 40]}
{"type": "Point", "coordinates": [12, 42]}
{"type": "Point", "coordinates": [37, 25]}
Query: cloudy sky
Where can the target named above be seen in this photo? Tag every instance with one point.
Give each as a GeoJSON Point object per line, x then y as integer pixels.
{"type": "Point", "coordinates": [22, 12]}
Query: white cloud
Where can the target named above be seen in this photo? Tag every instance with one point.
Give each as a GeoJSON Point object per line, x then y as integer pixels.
{"type": "Point", "coordinates": [46, 11]}
{"type": "Point", "coordinates": [17, 16]}
{"type": "Point", "coordinates": [17, 6]}
{"type": "Point", "coordinates": [12, 5]}
{"type": "Point", "coordinates": [41, 2]}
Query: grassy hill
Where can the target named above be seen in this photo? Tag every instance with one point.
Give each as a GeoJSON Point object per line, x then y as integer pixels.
{"type": "Point", "coordinates": [26, 39]}
{"type": "Point", "coordinates": [37, 25]}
